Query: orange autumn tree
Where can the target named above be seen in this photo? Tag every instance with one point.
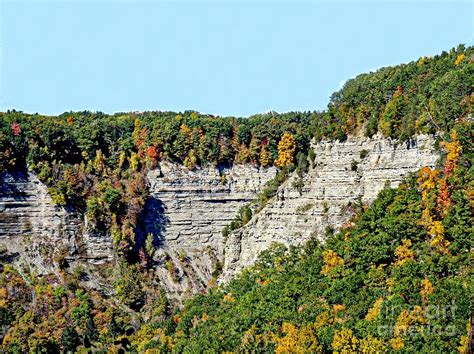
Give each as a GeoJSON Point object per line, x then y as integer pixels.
{"type": "Point", "coordinates": [453, 149]}
{"type": "Point", "coordinates": [434, 180]}
{"type": "Point", "coordinates": [286, 150]}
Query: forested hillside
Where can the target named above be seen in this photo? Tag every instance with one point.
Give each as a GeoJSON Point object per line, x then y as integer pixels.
{"type": "Point", "coordinates": [399, 277]}
{"type": "Point", "coordinates": [422, 96]}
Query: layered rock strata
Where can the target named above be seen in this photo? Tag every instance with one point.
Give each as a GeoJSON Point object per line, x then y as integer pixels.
{"type": "Point", "coordinates": [186, 213]}
{"type": "Point", "coordinates": [342, 174]}
{"type": "Point", "coordinates": [187, 210]}
{"type": "Point", "coordinates": [40, 233]}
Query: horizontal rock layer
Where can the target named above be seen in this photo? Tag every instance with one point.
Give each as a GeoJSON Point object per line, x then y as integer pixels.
{"type": "Point", "coordinates": [189, 209]}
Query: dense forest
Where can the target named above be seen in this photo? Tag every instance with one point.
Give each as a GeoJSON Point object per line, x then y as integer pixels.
{"type": "Point", "coordinates": [399, 277]}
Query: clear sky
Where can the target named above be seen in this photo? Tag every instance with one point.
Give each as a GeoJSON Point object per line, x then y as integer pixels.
{"type": "Point", "coordinates": [219, 57]}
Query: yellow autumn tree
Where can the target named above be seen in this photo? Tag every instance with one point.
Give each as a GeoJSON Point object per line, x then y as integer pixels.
{"type": "Point", "coordinates": [374, 311]}
{"type": "Point", "coordinates": [146, 333]}
{"type": "Point", "coordinates": [121, 159]}
{"type": "Point", "coordinates": [407, 319]}
{"type": "Point", "coordinates": [187, 135]}
{"type": "Point", "coordinates": [332, 262]}
{"type": "Point", "coordinates": [389, 282]}
{"type": "Point", "coordinates": [426, 288]}
{"type": "Point", "coordinates": [134, 161]}
{"type": "Point", "coordinates": [438, 241]}
{"type": "Point", "coordinates": [286, 150]}
{"type": "Point", "coordinates": [453, 149]}
{"type": "Point", "coordinates": [297, 340]}
{"type": "Point", "coordinates": [464, 341]}
{"type": "Point", "coordinates": [264, 156]}
{"type": "Point", "coordinates": [404, 253]}
{"type": "Point", "coordinates": [344, 341]}
{"type": "Point", "coordinates": [397, 343]}
{"type": "Point", "coordinates": [228, 298]}
{"type": "Point", "coordinates": [99, 161]}
{"type": "Point", "coordinates": [421, 61]}
{"type": "Point", "coordinates": [371, 345]}
{"type": "Point", "coordinates": [459, 59]}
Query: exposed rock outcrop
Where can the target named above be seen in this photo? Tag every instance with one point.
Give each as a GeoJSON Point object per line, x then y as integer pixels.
{"type": "Point", "coordinates": [187, 211]}
{"type": "Point", "coordinates": [343, 173]}
{"type": "Point", "coordinates": [39, 232]}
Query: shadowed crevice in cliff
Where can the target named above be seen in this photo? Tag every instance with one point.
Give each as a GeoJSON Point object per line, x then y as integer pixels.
{"type": "Point", "coordinates": [7, 257]}
{"type": "Point", "coordinates": [13, 197]}
{"type": "Point", "coordinates": [222, 167]}
{"type": "Point", "coordinates": [9, 182]}
{"type": "Point", "coordinates": [154, 220]}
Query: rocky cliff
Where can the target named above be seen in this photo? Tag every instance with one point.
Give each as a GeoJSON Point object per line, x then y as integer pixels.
{"type": "Point", "coordinates": [186, 213]}
{"type": "Point", "coordinates": [38, 233]}
{"type": "Point", "coordinates": [187, 210]}
{"type": "Point", "coordinates": [342, 174]}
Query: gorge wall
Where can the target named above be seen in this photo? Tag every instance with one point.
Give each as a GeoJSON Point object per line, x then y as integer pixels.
{"type": "Point", "coordinates": [187, 210]}
{"type": "Point", "coordinates": [342, 174]}
{"type": "Point", "coordinates": [38, 233]}
{"type": "Point", "coordinates": [190, 208]}
{"type": "Point", "coordinates": [186, 213]}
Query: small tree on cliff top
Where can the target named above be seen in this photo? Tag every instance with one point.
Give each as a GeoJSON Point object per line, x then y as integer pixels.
{"type": "Point", "coordinates": [286, 150]}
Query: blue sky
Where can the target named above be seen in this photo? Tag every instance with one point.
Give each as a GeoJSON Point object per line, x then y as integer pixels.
{"type": "Point", "coordinates": [219, 57]}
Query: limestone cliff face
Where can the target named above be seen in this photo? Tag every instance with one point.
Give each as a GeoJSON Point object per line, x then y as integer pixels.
{"type": "Point", "coordinates": [190, 208]}
{"type": "Point", "coordinates": [37, 232]}
{"type": "Point", "coordinates": [187, 211]}
{"type": "Point", "coordinates": [342, 174]}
